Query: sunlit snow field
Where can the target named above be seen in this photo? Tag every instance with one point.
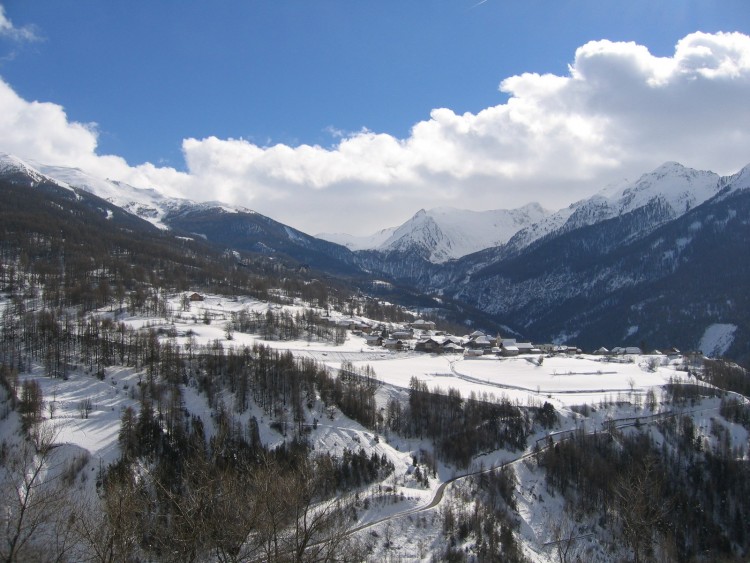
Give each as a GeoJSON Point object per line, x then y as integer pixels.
{"type": "Point", "coordinates": [563, 380]}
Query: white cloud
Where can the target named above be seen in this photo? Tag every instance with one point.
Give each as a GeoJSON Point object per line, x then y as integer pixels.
{"type": "Point", "coordinates": [42, 131]}
{"type": "Point", "coordinates": [619, 111]}
{"type": "Point", "coordinates": [7, 29]}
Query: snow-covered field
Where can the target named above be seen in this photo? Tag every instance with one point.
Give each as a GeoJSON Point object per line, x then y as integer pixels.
{"type": "Point", "coordinates": [563, 381]}
{"type": "Point", "coordinates": [568, 380]}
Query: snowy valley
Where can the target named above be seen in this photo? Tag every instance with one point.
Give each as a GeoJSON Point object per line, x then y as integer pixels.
{"type": "Point", "coordinates": [415, 502]}
{"type": "Point", "coordinates": [166, 395]}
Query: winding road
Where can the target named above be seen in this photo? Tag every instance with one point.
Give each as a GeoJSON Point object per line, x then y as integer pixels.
{"type": "Point", "coordinates": [565, 435]}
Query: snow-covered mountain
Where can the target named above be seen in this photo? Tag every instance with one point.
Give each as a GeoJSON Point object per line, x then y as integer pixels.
{"type": "Point", "coordinates": [147, 204]}
{"type": "Point", "coordinates": [671, 189]}
{"type": "Point", "coordinates": [16, 170]}
{"type": "Point", "coordinates": [442, 234]}
{"type": "Point", "coordinates": [445, 233]}
{"type": "Point", "coordinates": [228, 227]}
{"type": "Point", "coordinates": [658, 260]}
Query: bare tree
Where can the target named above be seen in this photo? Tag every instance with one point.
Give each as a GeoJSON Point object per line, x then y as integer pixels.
{"type": "Point", "coordinates": [319, 526]}
{"type": "Point", "coordinates": [108, 528]}
{"type": "Point", "coordinates": [295, 520]}
{"type": "Point", "coordinates": [85, 406]}
{"type": "Point", "coordinates": [564, 534]}
{"type": "Point", "coordinates": [640, 507]}
{"type": "Point", "coordinates": [35, 518]}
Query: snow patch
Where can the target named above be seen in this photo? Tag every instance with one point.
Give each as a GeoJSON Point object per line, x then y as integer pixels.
{"type": "Point", "coordinates": [294, 235]}
{"type": "Point", "coordinates": [717, 339]}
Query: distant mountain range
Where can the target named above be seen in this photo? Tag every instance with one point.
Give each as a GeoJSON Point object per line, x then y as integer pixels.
{"type": "Point", "coordinates": [658, 262]}
{"type": "Point", "coordinates": [443, 234]}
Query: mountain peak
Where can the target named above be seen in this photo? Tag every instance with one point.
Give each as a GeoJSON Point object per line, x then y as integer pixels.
{"type": "Point", "coordinates": [673, 187]}
{"type": "Point", "coordinates": [670, 166]}
{"type": "Point", "coordinates": [446, 233]}
{"type": "Point", "coordinates": [677, 186]}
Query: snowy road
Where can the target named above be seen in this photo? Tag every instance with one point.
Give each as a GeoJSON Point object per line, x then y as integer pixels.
{"type": "Point", "coordinates": [439, 494]}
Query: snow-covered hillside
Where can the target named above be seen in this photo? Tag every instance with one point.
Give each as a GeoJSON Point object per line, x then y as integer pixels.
{"type": "Point", "coordinates": [446, 233]}
{"type": "Point", "coordinates": [13, 167]}
{"type": "Point", "coordinates": [148, 204]}
{"type": "Point", "coordinates": [402, 514]}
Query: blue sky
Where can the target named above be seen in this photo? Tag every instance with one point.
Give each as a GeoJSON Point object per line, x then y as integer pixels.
{"type": "Point", "coordinates": [189, 97]}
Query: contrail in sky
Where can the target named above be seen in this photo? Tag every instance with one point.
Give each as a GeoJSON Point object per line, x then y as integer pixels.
{"type": "Point", "coordinates": [478, 4]}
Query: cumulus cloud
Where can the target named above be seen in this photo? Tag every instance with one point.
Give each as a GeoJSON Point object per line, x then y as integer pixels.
{"type": "Point", "coordinates": [619, 111]}
{"type": "Point", "coordinates": [42, 131]}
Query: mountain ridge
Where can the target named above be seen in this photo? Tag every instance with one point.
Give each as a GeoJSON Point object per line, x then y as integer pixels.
{"type": "Point", "coordinates": [444, 233]}
{"type": "Point", "coordinates": [613, 264]}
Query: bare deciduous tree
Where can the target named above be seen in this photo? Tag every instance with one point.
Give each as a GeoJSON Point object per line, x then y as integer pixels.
{"type": "Point", "coordinates": [640, 507]}
{"type": "Point", "coordinates": [35, 520]}
{"type": "Point", "coordinates": [108, 528]}
{"type": "Point", "coordinates": [564, 534]}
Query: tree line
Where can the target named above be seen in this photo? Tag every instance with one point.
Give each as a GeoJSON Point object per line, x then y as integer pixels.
{"type": "Point", "coordinates": [460, 428]}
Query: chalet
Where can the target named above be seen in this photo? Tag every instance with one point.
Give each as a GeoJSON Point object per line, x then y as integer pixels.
{"type": "Point", "coordinates": [479, 341]}
{"type": "Point", "coordinates": [473, 353]}
{"type": "Point", "coordinates": [485, 342]}
{"type": "Point", "coordinates": [421, 324]}
{"type": "Point", "coordinates": [526, 348]}
{"type": "Point", "coordinates": [432, 345]}
{"type": "Point", "coordinates": [196, 297]}
{"type": "Point", "coordinates": [452, 348]}
{"type": "Point", "coordinates": [620, 351]}
{"type": "Point", "coordinates": [509, 347]}
{"type": "Point", "coordinates": [349, 323]}
{"type": "Point", "coordinates": [393, 344]}
{"type": "Point", "coordinates": [602, 351]}
{"type": "Point", "coordinates": [403, 333]}
{"type": "Point", "coordinates": [363, 327]}
{"type": "Point", "coordinates": [373, 340]}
